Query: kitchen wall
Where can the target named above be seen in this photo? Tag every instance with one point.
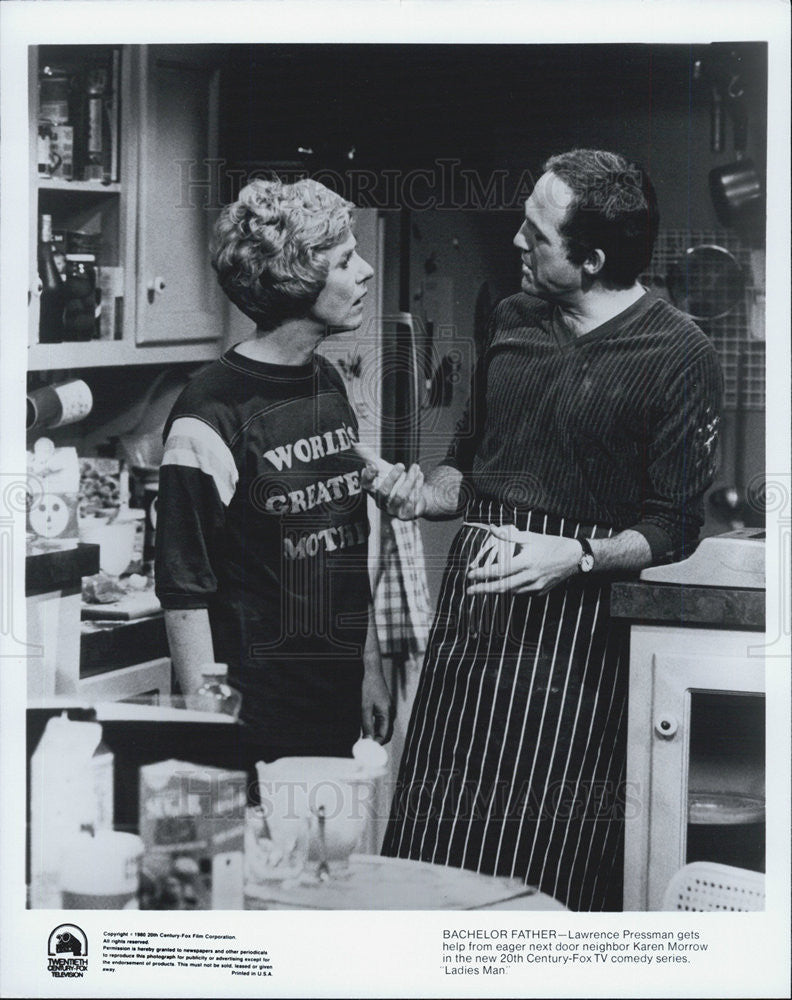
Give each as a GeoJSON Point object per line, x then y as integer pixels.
{"type": "Point", "coordinates": [406, 109]}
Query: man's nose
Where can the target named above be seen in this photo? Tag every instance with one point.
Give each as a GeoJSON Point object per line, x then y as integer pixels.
{"type": "Point", "coordinates": [366, 271]}
{"type": "Point", "coordinates": [520, 241]}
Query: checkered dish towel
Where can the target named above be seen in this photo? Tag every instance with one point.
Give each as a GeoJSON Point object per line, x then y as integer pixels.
{"type": "Point", "coordinates": [401, 594]}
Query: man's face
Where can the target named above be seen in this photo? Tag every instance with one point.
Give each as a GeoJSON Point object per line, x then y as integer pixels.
{"type": "Point", "coordinates": [340, 303]}
{"type": "Point", "coordinates": [547, 272]}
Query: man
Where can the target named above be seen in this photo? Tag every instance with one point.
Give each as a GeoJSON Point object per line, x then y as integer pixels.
{"type": "Point", "coordinates": [587, 447]}
{"type": "Point", "coordinates": [262, 532]}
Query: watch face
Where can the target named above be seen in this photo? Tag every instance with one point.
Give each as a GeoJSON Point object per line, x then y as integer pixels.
{"type": "Point", "coordinates": [586, 563]}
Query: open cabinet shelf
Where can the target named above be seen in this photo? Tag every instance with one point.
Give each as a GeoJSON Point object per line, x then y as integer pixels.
{"type": "Point", "coordinates": [161, 303]}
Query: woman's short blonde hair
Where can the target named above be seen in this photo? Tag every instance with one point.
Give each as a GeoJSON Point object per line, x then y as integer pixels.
{"type": "Point", "coordinates": [270, 247]}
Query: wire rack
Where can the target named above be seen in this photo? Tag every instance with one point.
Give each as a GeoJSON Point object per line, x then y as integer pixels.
{"type": "Point", "coordinates": [742, 356]}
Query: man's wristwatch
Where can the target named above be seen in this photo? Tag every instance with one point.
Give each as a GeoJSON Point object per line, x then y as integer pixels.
{"type": "Point", "coordinates": [586, 561]}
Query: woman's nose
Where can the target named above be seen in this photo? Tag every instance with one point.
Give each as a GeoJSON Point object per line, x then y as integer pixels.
{"type": "Point", "coordinates": [366, 271]}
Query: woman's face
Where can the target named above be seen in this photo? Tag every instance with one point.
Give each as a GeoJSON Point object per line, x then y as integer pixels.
{"type": "Point", "coordinates": [340, 303]}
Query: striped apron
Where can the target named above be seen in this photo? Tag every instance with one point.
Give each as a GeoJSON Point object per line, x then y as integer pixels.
{"type": "Point", "coordinates": [515, 754]}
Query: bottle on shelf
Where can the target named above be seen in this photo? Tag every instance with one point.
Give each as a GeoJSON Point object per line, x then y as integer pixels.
{"type": "Point", "coordinates": [52, 287]}
{"type": "Point", "coordinates": [81, 310]}
{"type": "Point", "coordinates": [215, 693]}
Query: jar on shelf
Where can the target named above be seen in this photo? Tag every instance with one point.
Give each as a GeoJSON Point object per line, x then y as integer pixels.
{"type": "Point", "coordinates": [54, 88]}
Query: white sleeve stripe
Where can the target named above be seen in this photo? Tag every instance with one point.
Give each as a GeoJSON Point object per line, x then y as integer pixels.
{"type": "Point", "coordinates": [195, 445]}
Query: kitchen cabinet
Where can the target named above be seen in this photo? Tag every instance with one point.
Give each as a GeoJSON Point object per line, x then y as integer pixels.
{"type": "Point", "coordinates": [178, 299]}
{"type": "Point", "coordinates": [151, 225]}
{"type": "Point", "coordinates": [695, 757]}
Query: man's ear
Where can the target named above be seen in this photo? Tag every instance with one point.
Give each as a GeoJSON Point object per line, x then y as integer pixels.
{"type": "Point", "coordinates": [594, 263]}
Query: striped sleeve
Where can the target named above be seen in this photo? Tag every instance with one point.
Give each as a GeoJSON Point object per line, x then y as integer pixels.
{"type": "Point", "coordinates": [193, 444]}
{"type": "Point", "coordinates": [198, 477]}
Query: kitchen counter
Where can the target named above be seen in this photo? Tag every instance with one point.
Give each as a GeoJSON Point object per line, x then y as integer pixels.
{"type": "Point", "coordinates": [113, 645]}
{"type": "Point", "coordinates": [60, 569]}
{"type": "Point", "coordinates": [53, 581]}
{"type": "Point", "coordinates": [688, 606]}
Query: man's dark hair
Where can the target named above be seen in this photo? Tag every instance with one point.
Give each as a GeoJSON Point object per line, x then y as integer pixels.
{"type": "Point", "coordinates": [614, 210]}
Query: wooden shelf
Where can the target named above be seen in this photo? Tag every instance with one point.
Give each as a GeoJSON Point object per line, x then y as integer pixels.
{"type": "Point", "coordinates": [105, 353]}
{"type": "Point", "coordinates": [77, 187]}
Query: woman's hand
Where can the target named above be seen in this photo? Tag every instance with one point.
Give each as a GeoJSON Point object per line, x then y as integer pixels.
{"type": "Point", "coordinates": [376, 701]}
{"type": "Point", "coordinates": [377, 705]}
{"type": "Point", "coordinates": [521, 562]}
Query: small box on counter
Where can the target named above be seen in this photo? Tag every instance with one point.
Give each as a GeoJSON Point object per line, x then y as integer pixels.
{"type": "Point", "coordinates": [53, 478]}
{"type": "Point", "coordinates": [192, 823]}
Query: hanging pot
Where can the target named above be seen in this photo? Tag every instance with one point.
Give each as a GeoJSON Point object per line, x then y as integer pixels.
{"type": "Point", "coordinates": [738, 197]}
{"type": "Point", "coordinates": [737, 189]}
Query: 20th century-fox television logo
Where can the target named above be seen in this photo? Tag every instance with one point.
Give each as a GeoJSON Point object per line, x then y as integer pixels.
{"type": "Point", "coordinates": [67, 949]}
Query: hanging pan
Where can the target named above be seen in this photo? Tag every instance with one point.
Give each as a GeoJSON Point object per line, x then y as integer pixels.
{"type": "Point", "coordinates": [707, 282]}
{"type": "Point", "coordinates": [736, 188]}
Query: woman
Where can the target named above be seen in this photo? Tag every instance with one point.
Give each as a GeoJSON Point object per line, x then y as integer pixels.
{"type": "Point", "coordinates": [262, 528]}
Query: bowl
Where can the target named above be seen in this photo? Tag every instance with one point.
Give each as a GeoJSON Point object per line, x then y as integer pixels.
{"type": "Point", "coordinates": [116, 542]}
{"type": "Point", "coordinates": [293, 788]}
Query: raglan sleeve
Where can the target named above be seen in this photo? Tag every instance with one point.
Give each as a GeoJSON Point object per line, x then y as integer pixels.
{"type": "Point", "coordinates": [198, 477]}
{"type": "Point", "coordinates": [682, 453]}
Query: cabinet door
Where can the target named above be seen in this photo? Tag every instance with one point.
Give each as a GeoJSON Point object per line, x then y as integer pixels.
{"type": "Point", "coordinates": [177, 295]}
{"type": "Point", "coordinates": [667, 667]}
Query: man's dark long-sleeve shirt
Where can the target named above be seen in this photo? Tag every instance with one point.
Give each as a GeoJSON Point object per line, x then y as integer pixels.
{"type": "Point", "coordinates": [616, 427]}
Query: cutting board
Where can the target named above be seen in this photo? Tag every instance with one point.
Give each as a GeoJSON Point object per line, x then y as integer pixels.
{"type": "Point", "coordinates": [135, 605]}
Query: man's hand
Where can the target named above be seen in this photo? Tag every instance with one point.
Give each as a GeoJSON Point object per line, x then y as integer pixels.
{"type": "Point", "coordinates": [400, 493]}
{"type": "Point", "coordinates": [521, 562]}
{"type": "Point", "coordinates": [396, 490]}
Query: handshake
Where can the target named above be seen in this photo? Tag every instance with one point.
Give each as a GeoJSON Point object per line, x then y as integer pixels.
{"type": "Point", "coordinates": [398, 491]}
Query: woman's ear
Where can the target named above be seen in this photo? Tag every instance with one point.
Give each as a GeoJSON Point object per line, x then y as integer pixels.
{"type": "Point", "coordinates": [594, 263]}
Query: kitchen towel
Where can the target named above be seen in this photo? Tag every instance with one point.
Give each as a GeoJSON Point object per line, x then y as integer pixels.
{"type": "Point", "coordinates": [401, 595]}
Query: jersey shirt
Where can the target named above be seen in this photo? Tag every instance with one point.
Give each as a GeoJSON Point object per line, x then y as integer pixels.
{"type": "Point", "coordinates": [262, 521]}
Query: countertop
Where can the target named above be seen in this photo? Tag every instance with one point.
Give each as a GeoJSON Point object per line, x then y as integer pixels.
{"type": "Point", "coordinates": [688, 606]}
{"type": "Point", "coordinates": [371, 882]}
{"type": "Point", "coordinates": [60, 569]}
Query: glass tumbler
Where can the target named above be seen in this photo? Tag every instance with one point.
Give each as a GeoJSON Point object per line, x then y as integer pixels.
{"type": "Point", "coordinates": [275, 853]}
